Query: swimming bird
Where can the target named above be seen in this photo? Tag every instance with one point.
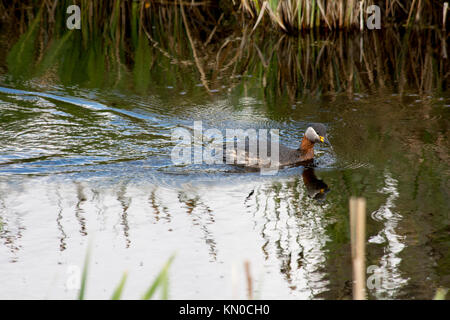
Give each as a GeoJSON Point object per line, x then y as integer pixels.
{"type": "Point", "coordinates": [287, 157]}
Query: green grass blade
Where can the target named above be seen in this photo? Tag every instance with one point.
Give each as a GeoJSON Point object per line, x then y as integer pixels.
{"type": "Point", "coordinates": [21, 56]}
{"type": "Point", "coordinates": [118, 292]}
{"type": "Point", "coordinates": [161, 280]}
{"type": "Point", "coordinates": [84, 277]}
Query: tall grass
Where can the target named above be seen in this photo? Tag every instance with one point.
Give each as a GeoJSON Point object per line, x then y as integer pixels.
{"type": "Point", "coordinates": [117, 17]}
{"type": "Point", "coordinates": [297, 15]}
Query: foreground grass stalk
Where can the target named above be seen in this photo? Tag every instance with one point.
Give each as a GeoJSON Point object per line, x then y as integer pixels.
{"type": "Point", "coordinates": [84, 276]}
{"type": "Point", "coordinates": [118, 292]}
{"type": "Point", "coordinates": [162, 280]}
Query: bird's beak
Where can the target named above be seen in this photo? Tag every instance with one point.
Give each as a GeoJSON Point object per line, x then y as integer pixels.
{"type": "Point", "coordinates": [323, 139]}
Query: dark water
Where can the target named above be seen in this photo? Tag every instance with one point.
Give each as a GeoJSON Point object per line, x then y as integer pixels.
{"type": "Point", "coordinates": [85, 158]}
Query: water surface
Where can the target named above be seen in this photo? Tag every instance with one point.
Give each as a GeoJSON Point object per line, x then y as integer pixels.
{"type": "Point", "coordinates": [85, 159]}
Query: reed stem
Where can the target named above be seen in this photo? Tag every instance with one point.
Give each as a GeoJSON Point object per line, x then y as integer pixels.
{"type": "Point", "coordinates": [249, 280]}
{"type": "Point", "coordinates": [444, 16]}
{"type": "Point", "coordinates": [358, 236]}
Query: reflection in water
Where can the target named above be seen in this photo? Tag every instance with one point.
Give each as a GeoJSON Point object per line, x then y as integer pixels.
{"type": "Point", "coordinates": [158, 207]}
{"type": "Point", "coordinates": [79, 212]}
{"type": "Point", "coordinates": [11, 228]}
{"type": "Point", "coordinates": [125, 203]}
{"type": "Point", "coordinates": [291, 218]}
{"type": "Point", "coordinates": [317, 189]}
{"type": "Point", "coordinates": [201, 216]}
{"type": "Point", "coordinates": [390, 276]}
{"type": "Point", "coordinates": [100, 208]}
{"type": "Point", "coordinates": [288, 216]}
{"type": "Point", "coordinates": [59, 217]}
{"type": "Point", "coordinates": [293, 225]}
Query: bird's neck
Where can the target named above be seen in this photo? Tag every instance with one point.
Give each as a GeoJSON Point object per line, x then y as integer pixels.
{"type": "Point", "coordinates": [306, 149]}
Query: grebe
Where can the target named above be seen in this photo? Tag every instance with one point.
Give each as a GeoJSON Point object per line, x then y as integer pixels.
{"type": "Point", "coordinates": [288, 157]}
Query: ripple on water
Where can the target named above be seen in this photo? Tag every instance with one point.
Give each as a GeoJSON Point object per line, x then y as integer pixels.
{"type": "Point", "coordinates": [71, 141]}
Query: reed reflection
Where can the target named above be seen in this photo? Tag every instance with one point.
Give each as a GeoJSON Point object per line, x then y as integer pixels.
{"type": "Point", "coordinates": [59, 220]}
{"type": "Point", "coordinates": [290, 217]}
{"type": "Point", "coordinates": [125, 203]}
{"type": "Point", "coordinates": [202, 217]}
{"type": "Point", "coordinates": [160, 210]}
{"type": "Point", "coordinates": [79, 211]}
{"type": "Point", "coordinates": [11, 227]}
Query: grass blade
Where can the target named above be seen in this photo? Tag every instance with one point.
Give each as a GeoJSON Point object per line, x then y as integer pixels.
{"type": "Point", "coordinates": [84, 277]}
{"type": "Point", "coordinates": [118, 292]}
{"type": "Point", "coordinates": [161, 280]}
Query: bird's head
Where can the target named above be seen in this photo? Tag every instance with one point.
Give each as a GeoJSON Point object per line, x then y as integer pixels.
{"type": "Point", "coordinates": [317, 132]}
